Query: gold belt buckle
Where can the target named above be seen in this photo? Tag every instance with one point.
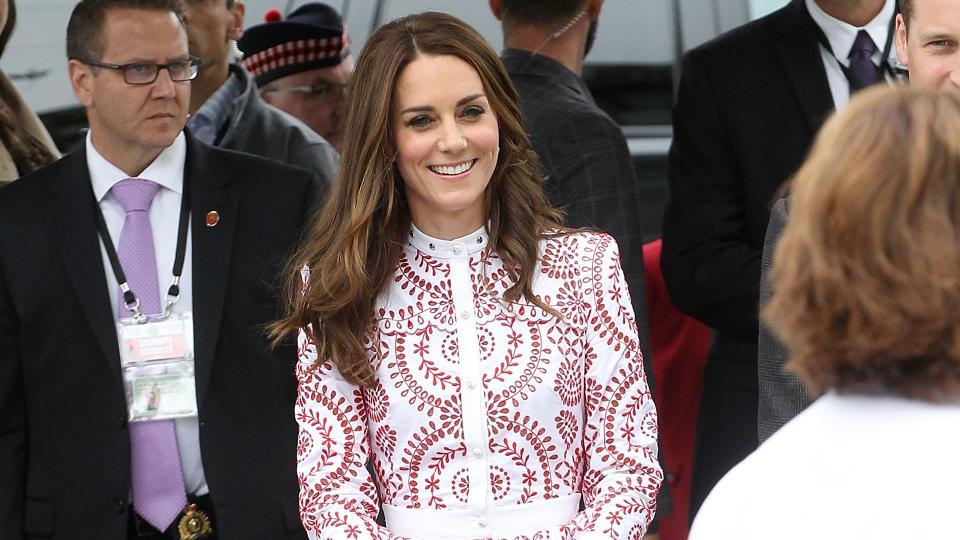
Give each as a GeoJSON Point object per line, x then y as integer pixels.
{"type": "Point", "coordinates": [195, 524]}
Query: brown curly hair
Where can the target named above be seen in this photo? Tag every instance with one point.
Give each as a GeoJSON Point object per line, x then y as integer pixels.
{"type": "Point", "coordinates": [866, 277]}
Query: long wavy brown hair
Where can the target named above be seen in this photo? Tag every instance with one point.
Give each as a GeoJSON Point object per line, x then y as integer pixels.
{"type": "Point", "coordinates": [355, 241]}
{"type": "Point", "coordinates": [866, 277]}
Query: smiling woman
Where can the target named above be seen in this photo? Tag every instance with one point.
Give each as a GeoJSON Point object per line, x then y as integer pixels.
{"type": "Point", "coordinates": [447, 144]}
{"type": "Point", "coordinates": [483, 358]}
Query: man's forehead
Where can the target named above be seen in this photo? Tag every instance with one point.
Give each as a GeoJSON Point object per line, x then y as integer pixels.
{"type": "Point", "coordinates": [143, 34]}
{"type": "Point", "coordinates": [931, 11]}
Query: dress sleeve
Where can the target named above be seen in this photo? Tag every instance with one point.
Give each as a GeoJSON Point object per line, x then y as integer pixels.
{"type": "Point", "coordinates": [338, 498]}
{"type": "Point", "coordinates": [622, 476]}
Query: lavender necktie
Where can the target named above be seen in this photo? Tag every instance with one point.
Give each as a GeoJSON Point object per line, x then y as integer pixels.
{"type": "Point", "coordinates": [862, 68]}
{"type": "Point", "coordinates": [159, 494]}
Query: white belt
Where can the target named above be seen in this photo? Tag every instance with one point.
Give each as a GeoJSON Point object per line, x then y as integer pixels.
{"type": "Point", "coordinates": [512, 520]}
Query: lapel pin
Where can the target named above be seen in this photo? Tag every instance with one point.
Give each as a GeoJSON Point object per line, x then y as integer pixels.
{"type": "Point", "coordinates": [213, 217]}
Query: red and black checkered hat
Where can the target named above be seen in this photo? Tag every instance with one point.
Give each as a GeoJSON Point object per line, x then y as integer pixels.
{"type": "Point", "coordinates": [312, 36]}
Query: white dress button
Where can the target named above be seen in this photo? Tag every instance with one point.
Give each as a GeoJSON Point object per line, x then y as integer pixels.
{"type": "Point", "coordinates": [464, 313]}
{"type": "Point", "coordinates": [457, 250]}
{"type": "Point", "coordinates": [482, 523]}
{"type": "Point", "coordinates": [471, 385]}
{"type": "Point", "coordinates": [477, 452]}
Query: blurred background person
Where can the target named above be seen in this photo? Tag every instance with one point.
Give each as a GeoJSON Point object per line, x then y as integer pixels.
{"type": "Point", "coordinates": [26, 144]}
{"type": "Point", "coordinates": [727, 161]}
{"type": "Point", "coordinates": [866, 283]}
{"type": "Point", "coordinates": [931, 65]}
{"type": "Point", "coordinates": [225, 107]}
{"type": "Point", "coordinates": [309, 86]}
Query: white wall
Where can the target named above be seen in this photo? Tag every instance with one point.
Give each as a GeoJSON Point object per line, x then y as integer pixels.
{"type": "Point", "coordinates": [759, 8]}
{"type": "Point", "coordinates": [702, 20]}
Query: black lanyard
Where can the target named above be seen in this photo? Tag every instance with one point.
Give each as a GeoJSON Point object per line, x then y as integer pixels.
{"type": "Point", "coordinates": [883, 69]}
{"type": "Point", "coordinates": [131, 302]}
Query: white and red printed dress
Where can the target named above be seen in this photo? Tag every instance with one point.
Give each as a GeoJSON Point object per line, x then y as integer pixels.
{"type": "Point", "coordinates": [488, 420]}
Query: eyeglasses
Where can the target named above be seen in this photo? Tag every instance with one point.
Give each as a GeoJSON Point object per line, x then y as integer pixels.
{"type": "Point", "coordinates": [143, 73]}
{"type": "Point", "coordinates": [323, 92]}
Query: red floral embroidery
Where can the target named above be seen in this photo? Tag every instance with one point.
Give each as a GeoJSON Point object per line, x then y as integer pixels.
{"type": "Point", "coordinates": [566, 408]}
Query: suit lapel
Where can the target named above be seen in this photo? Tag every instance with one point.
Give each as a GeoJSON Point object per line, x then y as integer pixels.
{"type": "Point", "coordinates": [72, 209]}
{"type": "Point", "coordinates": [209, 187]}
{"type": "Point", "coordinates": [800, 57]}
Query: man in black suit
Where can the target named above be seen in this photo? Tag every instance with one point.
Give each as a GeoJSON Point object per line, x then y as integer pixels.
{"type": "Point", "coordinates": [928, 44]}
{"type": "Point", "coordinates": [748, 105]}
{"type": "Point", "coordinates": [72, 460]}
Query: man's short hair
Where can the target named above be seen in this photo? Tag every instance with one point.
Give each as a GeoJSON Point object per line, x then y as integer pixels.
{"type": "Point", "coordinates": [543, 13]}
{"type": "Point", "coordinates": [906, 8]}
{"type": "Point", "coordinates": [85, 29]}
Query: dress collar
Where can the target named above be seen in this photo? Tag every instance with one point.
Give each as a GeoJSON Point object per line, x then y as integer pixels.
{"type": "Point", "coordinates": [458, 248]}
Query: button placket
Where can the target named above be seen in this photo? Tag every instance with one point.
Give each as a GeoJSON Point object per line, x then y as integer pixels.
{"type": "Point", "coordinates": [472, 399]}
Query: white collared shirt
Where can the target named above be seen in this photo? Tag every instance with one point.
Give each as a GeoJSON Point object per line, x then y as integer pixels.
{"type": "Point", "coordinates": [841, 35]}
{"type": "Point", "coordinates": [166, 170]}
{"type": "Point", "coordinates": [488, 419]}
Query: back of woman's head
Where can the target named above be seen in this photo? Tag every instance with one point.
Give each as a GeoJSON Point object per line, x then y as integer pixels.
{"type": "Point", "coordinates": [866, 277]}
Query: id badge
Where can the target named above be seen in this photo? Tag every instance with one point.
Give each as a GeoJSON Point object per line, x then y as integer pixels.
{"type": "Point", "coordinates": [158, 367]}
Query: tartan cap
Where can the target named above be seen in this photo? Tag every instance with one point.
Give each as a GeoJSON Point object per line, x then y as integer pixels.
{"type": "Point", "coordinates": [312, 36]}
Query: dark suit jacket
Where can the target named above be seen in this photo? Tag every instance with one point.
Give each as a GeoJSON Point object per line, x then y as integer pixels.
{"type": "Point", "coordinates": [782, 394]}
{"type": "Point", "coordinates": [748, 105]}
{"type": "Point", "coordinates": [64, 446]}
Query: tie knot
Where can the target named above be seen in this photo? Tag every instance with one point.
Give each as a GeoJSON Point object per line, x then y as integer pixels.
{"type": "Point", "coordinates": [863, 46]}
{"type": "Point", "coordinates": [135, 194]}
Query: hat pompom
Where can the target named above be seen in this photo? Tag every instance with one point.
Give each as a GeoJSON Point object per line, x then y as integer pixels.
{"type": "Point", "coordinates": [273, 15]}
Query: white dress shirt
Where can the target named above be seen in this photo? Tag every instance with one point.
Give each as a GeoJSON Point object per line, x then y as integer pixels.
{"type": "Point", "coordinates": [849, 467]}
{"type": "Point", "coordinates": [166, 170]}
{"type": "Point", "coordinates": [488, 419]}
{"type": "Point", "coordinates": [841, 35]}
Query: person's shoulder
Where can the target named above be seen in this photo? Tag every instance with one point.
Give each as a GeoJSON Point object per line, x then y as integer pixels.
{"type": "Point", "coordinates": [277, 121]}
{"type": "Point", "coordinates": [740, 43]}
{"type": "Point", "coordinates": [35, 184]}
{"type": "Point", "coordinates": [258, 171]}
{"type": "Point", "coordinates": [299, 144]}
{"type": "Point", "coordinates": [571, 119]}
{"type": "Point", "coordinates": [590, 120]}
{"type": "Point", "coordinates": [266, 122]}
{"type": "Point", "coordinates": [596, 244]}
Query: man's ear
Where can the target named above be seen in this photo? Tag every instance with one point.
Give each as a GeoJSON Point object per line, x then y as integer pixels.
{"type": "Point", "coordinates": [902, 53]}
{"type": "Point", "coordinates": [236, 24]}
{"type": "Point", "coordinates": [81, 81]}
{"type": "Point", "coordinates": [496, 6]}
